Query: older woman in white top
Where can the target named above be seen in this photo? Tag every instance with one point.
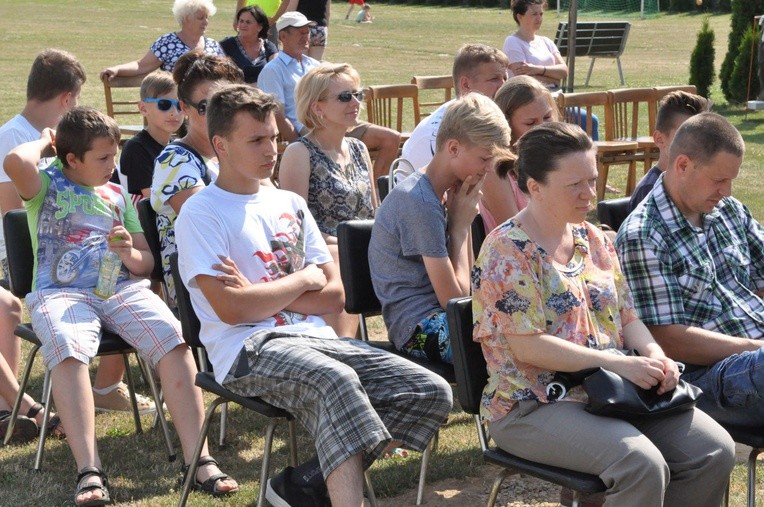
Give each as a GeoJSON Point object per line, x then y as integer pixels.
{"type": "Point", "coordinates": [192, 16]}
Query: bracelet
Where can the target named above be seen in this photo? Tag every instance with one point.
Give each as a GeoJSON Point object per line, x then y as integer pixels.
{"type": "Point", "coordinates": [544, 73]}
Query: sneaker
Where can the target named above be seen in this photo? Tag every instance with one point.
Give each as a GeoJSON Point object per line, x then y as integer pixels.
{"type": "Point", "coordinates": [119, 401]}
{"type": "Point", "coordinates": [282, 491]}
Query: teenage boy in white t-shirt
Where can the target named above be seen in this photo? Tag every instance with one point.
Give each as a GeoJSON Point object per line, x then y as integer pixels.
{"type": "Point", "coordinates": [259, 275]}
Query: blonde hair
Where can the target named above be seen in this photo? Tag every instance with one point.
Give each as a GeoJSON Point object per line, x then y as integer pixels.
{"type": "Point", "coordinates": [184, 9]}
{"type": "Point", "coordinates": [476, 120]}
{"type": "Point", "coordinates": [313, 87]}
{"type": "Point", "coordinates": [157, 83]}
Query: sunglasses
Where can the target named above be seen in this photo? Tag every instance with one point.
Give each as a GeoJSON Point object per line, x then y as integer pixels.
{"type": "Point", "coordinates": [200, 107]}
{"type": "Point", "coordinates": [348, 96]}
{"type": "Point", "coordinates": [164, 104]}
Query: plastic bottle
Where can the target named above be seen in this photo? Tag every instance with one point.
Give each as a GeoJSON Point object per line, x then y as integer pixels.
{"type": "Point", "coordinates": [108, 273]}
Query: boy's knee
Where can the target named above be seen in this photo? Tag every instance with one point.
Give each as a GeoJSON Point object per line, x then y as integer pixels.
{"type": "Point", "coordinates": [10, 305]}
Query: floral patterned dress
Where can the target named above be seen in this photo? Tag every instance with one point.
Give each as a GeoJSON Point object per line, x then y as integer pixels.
{"type": "Point", "coordinates": [337, 194]}
{"type": "Point", "coordinates": [517, 289]}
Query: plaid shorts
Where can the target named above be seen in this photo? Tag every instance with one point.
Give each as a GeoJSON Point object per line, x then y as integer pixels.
{"type": "Point", "coordinates": [351, 397]}
{"type": "Point", "coordinates": [69, 321]}
{"type": "Point", "coordinates": [319, 35]}
{"type": "Point", "coordinates": [430, 341]}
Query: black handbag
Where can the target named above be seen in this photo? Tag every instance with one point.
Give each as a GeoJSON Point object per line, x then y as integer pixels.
{"type": "Point", "coordinates": [611, 395]}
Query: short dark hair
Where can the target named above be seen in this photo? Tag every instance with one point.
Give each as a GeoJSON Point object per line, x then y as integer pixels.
{"type": "Point", "coordinates": [521, 7]}
{"type": "Point", "coordinates": [54, 72]}
{"type": "Point", "coordinates": [229, 100]}
{"type": "Point", "coordinates": [79, 128]}
{"type": "Point", "coordinates": [677, 105]}
{"type": "Point", "coordinates": [196, 66]}
{"type": "Point", "coordinates": [259, 15]}
{"type": "Point", "coordinates": [704, 136]}
{"type": "Point", "coordinates": [539, 150]}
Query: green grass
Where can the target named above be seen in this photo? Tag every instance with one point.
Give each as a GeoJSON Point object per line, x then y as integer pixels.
{"type": "Point", "coordinates": [403, 41]}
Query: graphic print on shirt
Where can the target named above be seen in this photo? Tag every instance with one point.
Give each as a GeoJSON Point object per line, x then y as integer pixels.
{"type": "Point", "coordinates": [286, 256]}
{"type": "Point", "coordinates": [73, 222]}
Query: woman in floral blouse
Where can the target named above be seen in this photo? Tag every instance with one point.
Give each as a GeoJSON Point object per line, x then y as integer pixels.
{"type": "Point", "coordinates": [549, 296]}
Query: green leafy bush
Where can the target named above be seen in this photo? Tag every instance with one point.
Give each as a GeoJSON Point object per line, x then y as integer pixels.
{"type": "Point", "coordinates": [738, 82]}
{"type": "Point", "coordinates": [702, 60]}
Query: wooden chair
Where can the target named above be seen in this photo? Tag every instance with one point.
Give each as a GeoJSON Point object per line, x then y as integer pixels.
{"type": "Point", "coordinates": [126, 104]}
{"type": "Point", "coordinates": [444, 83]}
{"type": "Point", "coordinates": [662, 91]}
{"type": "Point", "coordinates": [385, 106]}
{"type": "Point", "coordinates": [608, 152]}
{"type": "Point", "coordinates": [625, 121]}
{"type": "Point", "coordinates": [471, 378]}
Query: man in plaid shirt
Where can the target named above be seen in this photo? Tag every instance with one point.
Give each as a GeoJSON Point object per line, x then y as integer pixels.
{"type": "Point", "coordinates": [694, 259]}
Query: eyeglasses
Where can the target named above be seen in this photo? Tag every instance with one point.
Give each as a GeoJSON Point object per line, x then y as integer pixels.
{"type": "Point", "coordinates": [200, 107]}
{"type": "Point", "coordinates": [164, 104]}
{"type": "Point", "coordinates": [348, 96]}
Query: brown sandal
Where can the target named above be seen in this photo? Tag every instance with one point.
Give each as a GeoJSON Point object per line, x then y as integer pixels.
{"type": "Point", "coordinates": [54, 428]}
{"type": "Point", "coordinates": [24, 430]}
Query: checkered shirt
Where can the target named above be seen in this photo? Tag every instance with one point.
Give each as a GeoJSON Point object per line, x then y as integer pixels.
{"type": "Point", "coordinates": [704, 277]}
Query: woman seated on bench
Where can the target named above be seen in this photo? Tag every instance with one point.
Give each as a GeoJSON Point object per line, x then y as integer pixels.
{"type": "Point", "coordinates": [535, 55]}
{"type": "Point", "coordinates": [549, 296]}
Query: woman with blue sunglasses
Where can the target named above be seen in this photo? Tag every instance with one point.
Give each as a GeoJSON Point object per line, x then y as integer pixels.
{"type": "Point", "coordinates": [188, 164]}
{"type": "Point", "coordinates": [327, 168]}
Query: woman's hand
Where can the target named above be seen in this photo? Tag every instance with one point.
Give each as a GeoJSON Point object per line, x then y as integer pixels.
{"type": "Point", "coordinates": [230, 276]}
{"type": "Point", "coordinates": [645, 372]}
{"type": "Point", "coordinates": [108, 73]}
{"type": "Point", "coordinates": [671, 375]}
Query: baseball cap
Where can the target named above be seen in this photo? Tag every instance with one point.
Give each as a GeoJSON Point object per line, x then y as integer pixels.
{"type": "Point", "coordinates": [292, 18]}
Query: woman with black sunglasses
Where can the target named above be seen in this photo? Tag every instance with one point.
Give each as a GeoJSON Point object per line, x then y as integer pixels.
{"type": "Point", "coordinates": [331, 171]}
{"type": "Point", "coordinates": [188, 164]}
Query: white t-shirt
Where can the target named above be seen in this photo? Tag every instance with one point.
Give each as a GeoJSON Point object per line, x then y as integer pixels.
{"type": "Point", "coordinates": [268, 235]}
{"type": "Point", "coordinates": [541, 51]}
{"type": "Point", "coordinates": [420, 147]}
{"type": "Point", "coordinates": [16, 131]}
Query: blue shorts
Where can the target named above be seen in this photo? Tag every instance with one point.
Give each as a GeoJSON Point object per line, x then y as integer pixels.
{"type": "Point", "coordinates": [430, 341]}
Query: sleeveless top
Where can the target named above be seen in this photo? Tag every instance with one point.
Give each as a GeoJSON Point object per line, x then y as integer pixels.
{"type": "Point", "coordinates": [335, 194]}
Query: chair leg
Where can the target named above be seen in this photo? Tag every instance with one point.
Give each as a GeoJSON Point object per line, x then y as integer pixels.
{"type": "Point", "coordinates": [752, 476]}
{"type": "Point", "coordinates": [369, 489]}
{"type": "Point", "coordinates": [265, 469]}
{"type": "Point", "coordinates": [589, 74]}
{"type": "Point", "coordinates": [131, 390]}
{"type": "Point", "coordinates": [20, 396]}
{"type": "Point", "coordinates": [726, 499]}
{"type": "Point", "coordinates": [423, 469]}
{"type": "Point", "coordinates": [496, 486]}
{"type": "Point", "coordinates": [223, 424]}
{"type": "Point", "coordinates": [620, 70]}
{"type": "Point", "coordinates": [292, 442]}
{"type": "Point", "coordinates": [171, 455]}
{"type": "Point", "coordinates": [631, 178]}
{"type": "Point", "coordinates": [46, 391]}
{"type": "Point", "coordinates": [198, 451]}
{"type": "Point", "coordinates": [602, 179]}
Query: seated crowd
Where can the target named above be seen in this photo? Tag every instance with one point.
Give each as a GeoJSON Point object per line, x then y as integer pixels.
{"type": "Point", "coordinates": [258, 253]}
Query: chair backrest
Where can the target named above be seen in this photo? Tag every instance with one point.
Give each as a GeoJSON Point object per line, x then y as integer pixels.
{"type": "Point", "coordinates": [478, 234]}
{"type": "Point", "coordinates": [662, 91]}
{"type": "Point", "coordinates": [385, 105]}
{"type": "Point", "coordinates": [18, 248]}
{"type": "Point", "coordinates": [189, 322]}
{"type": "Point", "coordinates": [625, 113]}
{"type": "Point", "coordinates": [595, 38]}
{"type": "Point", "coordinates": [444, 83]}
{"type": "Point", "coordinates": [353, 239]}
{"type": "Point", "coordinates": [148, 219]}
{"type": "Point", "coordinates": [125, 102]}
{"type": "Point", "coordinates": [469, 362]}
{"type": "Point", "coordinates": [573, 104]}
{"type": "Point", "coordinates": [383, 185]}
{"type": "Point", "coordinates": [613, 211]}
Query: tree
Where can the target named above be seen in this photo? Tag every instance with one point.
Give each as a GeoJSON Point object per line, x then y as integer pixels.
{"type": "Point", "coordinates": [743, 12]}
{"type": "Point", "coordinates": [702, 60]}
{"type": "Point", "coordinates": [738, 83]}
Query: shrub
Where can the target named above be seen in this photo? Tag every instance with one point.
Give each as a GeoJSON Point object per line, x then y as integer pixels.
{"type": "Point", "coordinates": [743, 12]}
{"type": "Point", "coordinates": [702, 60]}
{"type": "Point", "coordinates": [738, 83]}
